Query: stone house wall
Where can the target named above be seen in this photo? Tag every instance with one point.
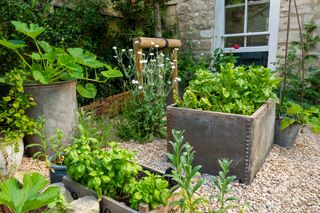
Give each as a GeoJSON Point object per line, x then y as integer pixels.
{"type": "Point", "coordinates": [194, 20]}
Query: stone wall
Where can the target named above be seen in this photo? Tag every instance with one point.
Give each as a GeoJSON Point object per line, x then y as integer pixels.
{"type": "Point", "coordinates": [195, 21]}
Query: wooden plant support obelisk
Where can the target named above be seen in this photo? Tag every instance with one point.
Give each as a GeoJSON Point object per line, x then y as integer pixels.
{"type": "Point", "coordinates": [141, 43]}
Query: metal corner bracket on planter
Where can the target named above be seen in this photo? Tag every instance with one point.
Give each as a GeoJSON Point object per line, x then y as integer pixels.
{"type": "Point", "coordinates": [286, 137]}
{"type": "Point", "coordinates": [246, 140]}
{"type": "Point", "coordinates": [109, 205]}
{"type": "Point", "coordinates": [58, 103]}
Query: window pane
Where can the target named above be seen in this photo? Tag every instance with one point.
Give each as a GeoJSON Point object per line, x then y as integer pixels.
{"type": "Point", "coordinates": [231, 41]}
{"type": "Point", "coordinates": [232, 2]}
{"type": "Point", "coordinates": [250, 58]}
{"type": "Point", "coordinates": [257, 40]}
{"type": "Point", "coordinates": [234, 19]}
{"type": "Point", "coordinates": [258, 17]}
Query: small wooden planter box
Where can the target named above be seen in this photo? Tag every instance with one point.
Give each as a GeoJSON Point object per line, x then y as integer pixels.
{"type": "Point", "coordinates": [247, 140]}
{"type": "Point", "coordinates": [109, 205]}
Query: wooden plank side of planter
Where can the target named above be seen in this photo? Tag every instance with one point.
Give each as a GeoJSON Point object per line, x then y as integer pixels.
{"type": "Point", "coordinates": [216, 135]}
{"type": "Point", "coordinates": [263, 136]}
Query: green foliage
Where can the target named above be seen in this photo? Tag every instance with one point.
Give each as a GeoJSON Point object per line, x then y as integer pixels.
{"type": "Point", "coordinates": [49, 64]}
{"type": "Point", "coordinates": [238, 90]}
{"type": "Point", "coordinates": [138, 20]}
{"type": "Point", "coordinates": [91, 125]}
{"type": "Point", "coordinates": [32, 195]}
{"type": "Point", "coordinates": [82, 26]}
{"type": "Point", "coordinates": [185, 174]}
{"type": "Point", "coordinates": [219, 58]}
{"type": "Point", "coordinates": [312, 71]}
{"type": "Point", "coordinates": [107, 172]}
{"type": "Point", "coordinates": [54, 143]}
{"type": "Point", "coordinates": [151, 189]}
{"type": "Point", "coordinates": [296, 114]}
{"type": "Point", "coordinates": [188, 64]}
{"type": "Point", "coordinates": [223, 184]}
{"type": "Point", "coordinates": [14, 122]}
{"type": "Point", "coordinates": [143, 116]}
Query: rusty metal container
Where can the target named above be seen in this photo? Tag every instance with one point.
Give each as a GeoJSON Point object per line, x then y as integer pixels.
{"type": "Point", "coordinates": [58, 103]}
{"type": "Point", "coordinates": [247, 140]}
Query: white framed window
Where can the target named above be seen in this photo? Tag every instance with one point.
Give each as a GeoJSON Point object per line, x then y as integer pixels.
{"type": "Point", "coordinates": [250, 24]}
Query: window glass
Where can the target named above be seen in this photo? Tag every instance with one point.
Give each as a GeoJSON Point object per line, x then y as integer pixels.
{"type": "Point", "coordinates": [234, 19]}
{"type": "Point", "coordinates": [231, 41]}
{"type": "Point", "coordinates": [261, 40]}
{"type": "Point", "coordinates": [252, 58]}
{"type": "Point", "coordinates": [258, 17]}
{"type": "Point", "coordinates": [233, 2]}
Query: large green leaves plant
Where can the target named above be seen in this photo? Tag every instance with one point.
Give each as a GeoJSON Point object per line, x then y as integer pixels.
{"type": "Point", "coordinates": [239, 90]}
{"type": "Point", "coordinates": [296, 114]}
{"type": "Point", "coordinates": [49, 64]}
{"type": "Point", "coordinates": [32, 195]}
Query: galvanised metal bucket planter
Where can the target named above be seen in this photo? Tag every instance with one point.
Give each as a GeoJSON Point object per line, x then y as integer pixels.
{"type": "Point", "coordinates": [247, 140]}
{"type": "Point", "coordinates": [58, 103]}
{"type": "Point", "coordinates": [286, 137]}
{"type": "Point", "coordinates": [109, 205]}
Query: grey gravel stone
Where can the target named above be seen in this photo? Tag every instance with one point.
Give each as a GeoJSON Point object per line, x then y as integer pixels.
{"type": "Point", "coordinates": [66, 194]}
{"type": "Point", "coordinates": [87, 204]}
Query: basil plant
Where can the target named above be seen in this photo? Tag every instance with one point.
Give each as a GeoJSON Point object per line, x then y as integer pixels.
{"type": "Point", "coordinates": [49, 64]}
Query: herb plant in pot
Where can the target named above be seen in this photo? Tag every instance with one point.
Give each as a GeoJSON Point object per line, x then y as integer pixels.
{"type": "Point", "coordinates": [50, 74]}
{"type": "Point", "coordinates": [14, 123]}
{"type": "Point", "coordinates": [292, 120]}
{"type": "Point", "coordinates": [228, 114]}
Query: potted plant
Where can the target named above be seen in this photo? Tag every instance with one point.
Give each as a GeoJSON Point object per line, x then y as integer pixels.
{"type": "Point", "coordinates": [14, 122]}
{"type": "Point", "coordinates": [292, 120]}
{"type": "Point", "coordinates": [50, 75]}
{"type": "Point", "coordinates": [228, 115]}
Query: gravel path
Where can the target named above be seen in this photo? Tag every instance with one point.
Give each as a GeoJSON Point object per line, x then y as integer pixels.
{"type": "Point", "coordinates": [287, 182]}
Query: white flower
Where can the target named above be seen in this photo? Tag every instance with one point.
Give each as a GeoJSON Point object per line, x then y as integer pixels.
{"type": "Point", "coordinates": [143, 61]}
{"type": "Point", "coordinates": [156, 45]}
{"type": "Point", "coordinates": [151, 54]}
{"type": "Point", "coordinates": [177, 79]}
{"type": "Point", "coordinates": [174, 60]}
{"type": "Point", "coordinates": [169, 82]}
{"type": "Point", "coordinates": [161, 65]}
{"type": "Point", "coordinates": [129, 67]}
{"type": "Point", "coordinates": [153, 60]}
{"type": "Point", "coordinates": [130, 50]}
{"type": "Point", "coordinates": [171, 63]}
{"type": "Point", "coordinates": [123, 50]}
{"type": "Point", "coordinates": [160, 76]}
{"type": "Point", "coordinates": [176, 49]}
{"type": "Point", "coordinates": [135, 81]}
{"type": "Point", "coordinates": [139, 53]}
{"type": "Point", "coordinates": [114, 47]}
{"type": "Point", "coordinates": [161, 54]}
{"type": "Point", "coordinates": [173, 67]}
{"type": "Point", "coordinates": [140, 87]}
{"type": "Point", "coordinates": [152, 43]}
{"type": "Point", "coordinates": [136, 42]}
{"type": "Point", "coordinates": [198, 42]}
{"type": "Point", "coordinates": [202, 54]}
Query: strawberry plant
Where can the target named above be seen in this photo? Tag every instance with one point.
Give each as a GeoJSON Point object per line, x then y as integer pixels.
{"type": "Point", "coordinates": [239, 90]}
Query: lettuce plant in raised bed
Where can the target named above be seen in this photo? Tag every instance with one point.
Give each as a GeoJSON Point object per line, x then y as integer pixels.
{"type": "Point", "coordinates": [229, 114]}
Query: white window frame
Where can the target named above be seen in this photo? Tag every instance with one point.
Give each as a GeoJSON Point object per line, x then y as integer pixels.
{"type": "Point", "coordinates": [271, 48]}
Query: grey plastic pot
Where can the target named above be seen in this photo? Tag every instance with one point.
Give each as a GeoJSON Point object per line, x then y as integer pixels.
{"type": "Point", "coordinates": [58, 103]}
{"type": "Point", "coordinates": [286, 137]}
{"type": "Point", "coordinates": [57, 172]}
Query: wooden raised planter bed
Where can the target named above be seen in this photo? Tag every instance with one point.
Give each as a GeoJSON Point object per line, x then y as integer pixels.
{"type": "Point", "coordinates": [247, 140]}
{"type": "Point", "coordinates": [109, 205]}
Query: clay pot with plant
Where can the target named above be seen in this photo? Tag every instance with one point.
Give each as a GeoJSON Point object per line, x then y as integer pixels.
{"type": "Point", "coordinates": [51, 75]}
{"type": "Point", "coordinates": [14, 122]}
